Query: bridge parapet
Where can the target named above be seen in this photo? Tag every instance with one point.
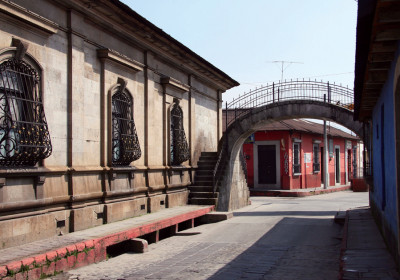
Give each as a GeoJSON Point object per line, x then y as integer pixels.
{"type": "Point", "coordinates": [290, 90]}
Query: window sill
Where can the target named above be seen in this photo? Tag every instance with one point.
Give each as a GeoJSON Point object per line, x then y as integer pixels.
{"type": "Point", "coordinates": [296, 174]}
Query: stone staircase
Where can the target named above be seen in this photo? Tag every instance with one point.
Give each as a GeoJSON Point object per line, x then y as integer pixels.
{"type": "Point", "coordinates": [201, 192]}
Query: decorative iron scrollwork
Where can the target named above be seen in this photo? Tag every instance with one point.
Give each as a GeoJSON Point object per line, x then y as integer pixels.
{"type": "Point", "coordinates": [24, 134]}
{"type": "Point", "coordinates": [179, 147]}
{"type": "Point", "coordinates": [125, 142]}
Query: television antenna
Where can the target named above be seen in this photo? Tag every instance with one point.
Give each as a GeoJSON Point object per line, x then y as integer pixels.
{"type": "Point", "coordinates": [283, 63]}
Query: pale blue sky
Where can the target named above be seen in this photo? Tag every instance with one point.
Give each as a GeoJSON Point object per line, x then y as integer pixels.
{"type": "Point", "coordinates": [242, 37]}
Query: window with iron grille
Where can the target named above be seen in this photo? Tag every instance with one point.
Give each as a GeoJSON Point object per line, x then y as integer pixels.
{"type": "Point", "coordinates": [316, 162]}
{"type": "Point", "coordinates": [179, 148]}
{"type": "Point", "coordinates": [296, 159]}
{"type": "Point", "coordinates": [125, 142]}
{"type": "Point", "coordinates": [24, 134]}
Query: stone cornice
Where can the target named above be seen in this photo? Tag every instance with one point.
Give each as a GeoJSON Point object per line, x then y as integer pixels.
{"type": "Point", "coordinates": [175, 84]}
{"type": "Point", "coordinates": [15, 11]}
{"type": "Point", "coordinates": [120, 59]}
{"type": "Point", "coordinates": [118, 18]}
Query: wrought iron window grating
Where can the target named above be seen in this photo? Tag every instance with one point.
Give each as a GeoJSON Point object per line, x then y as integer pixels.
{"type": "Point", "coordinates": [179, 147]}
{"type": "Point", "coordinates": [125, 142]}
{"type": "Point", "coordinates": [24, 134]}
{"type": "Point", "coordinates": [316, 161]}
{"type": "Point", "coordinates": [296, 158]}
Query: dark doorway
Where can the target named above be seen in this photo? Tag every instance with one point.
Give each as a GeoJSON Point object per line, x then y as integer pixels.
{"type": "Point", "coordinates": [266, 164]}
{"type": "Point", "coordinates": [322, 165]}
{"type": "Point", "coordinates": [337, 165]}
{"type": "Point", "coordinates": [348, 165]}
{"type": "Point", "coordinates": [383, 157]}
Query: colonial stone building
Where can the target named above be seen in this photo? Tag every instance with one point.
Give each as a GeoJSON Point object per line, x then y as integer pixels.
{"type": "Point", "coordinates": [103, 116]}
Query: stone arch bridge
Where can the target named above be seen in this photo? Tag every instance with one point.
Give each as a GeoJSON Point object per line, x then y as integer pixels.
{"type": "Point", "coordinates": [285, 100]}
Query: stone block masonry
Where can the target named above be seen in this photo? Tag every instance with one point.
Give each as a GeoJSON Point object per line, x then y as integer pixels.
{"type": "Point", "coordinates": [93, 73]}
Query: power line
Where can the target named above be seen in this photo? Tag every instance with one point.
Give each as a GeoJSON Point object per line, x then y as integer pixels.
{"type": "Point", "coordinates": [337, 74]}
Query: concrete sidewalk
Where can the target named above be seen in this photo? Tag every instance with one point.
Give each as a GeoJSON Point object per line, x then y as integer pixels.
{"type": "Point", "coordinates": [297, 192]}
{"type": "Point", "coordinates": [364, 254]}
{"type": "Point", "coordinates": [60, 253]}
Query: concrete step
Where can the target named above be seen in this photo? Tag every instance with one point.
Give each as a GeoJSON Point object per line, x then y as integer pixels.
{"type": "Point", "coordinates": [200, 188]}
{"type": "Point", "coordinates": [204, 201]}
{"type": "Point", "coordinates": [203, 195]}
{"type": "Point", "coordinates": [215, 217]}
{"type": "Point", "coordinates": [204, 172]}
{"type": "Point", "coordinates": [208, 177]}
{"type": "Point", "coordinates": [209, 154]}
{"type": "Point", "coordinates": [208, 159]}
{"type": "Point", "coordinates": [203, 182]}
{"type": "Point", "coordinates": [340, 217]}
{"type": "Point", "coordinates": [206, 164]}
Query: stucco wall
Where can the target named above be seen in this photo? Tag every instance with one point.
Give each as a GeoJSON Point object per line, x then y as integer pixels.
{"type": "Point", "coordinates": [384, 196]}
{"type": "Point", "coordinates": [308, 178]}
{"type": "Point", "coordinates": [205, 114]}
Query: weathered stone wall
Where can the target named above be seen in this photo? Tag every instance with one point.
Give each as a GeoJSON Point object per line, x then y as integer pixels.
{"type": "Point", "coordinates": [233, 192]}
{"type": "Point", "coordinates": [83, 51]}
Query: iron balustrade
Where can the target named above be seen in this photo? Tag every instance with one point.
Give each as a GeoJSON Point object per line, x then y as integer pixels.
{"type": "Point", "coordinates": [291, 90]}
{"type": "Point", "coordinates": [279, 92]}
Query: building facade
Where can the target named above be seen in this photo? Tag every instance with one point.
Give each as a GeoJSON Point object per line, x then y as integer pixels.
{"type": "Point", "coordinates": [103, 116]}
{"type": "Point", "coordinates": [377, 91]}
{"type": "Point", "coordinates": [288, 155]}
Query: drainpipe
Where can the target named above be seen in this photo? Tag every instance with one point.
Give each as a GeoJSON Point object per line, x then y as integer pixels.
{"type": "Point", "coordinates": [325, 163]}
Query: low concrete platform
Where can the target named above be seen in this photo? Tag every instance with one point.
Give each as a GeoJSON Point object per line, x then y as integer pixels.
{"type": "Point", "coordinates": [61, 253]}
{"type": "Point", "coordinates": [297, 192]}
{"type": "Point", "coordinates": [364, 254]}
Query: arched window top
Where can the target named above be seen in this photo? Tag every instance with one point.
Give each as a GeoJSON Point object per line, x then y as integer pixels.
{"type": "Point", "coordinates": [122, 104]}
{"type": "Point", "coordinates": [179, 148]}
{"type": "Point", "coordinates": [18, 52]}
{"type": "Point", "coordinates": [176, 110]}
{"type": "Point", "coordinates": [125, 143]}
{"type": "Point", "coordinates": [24, 134]}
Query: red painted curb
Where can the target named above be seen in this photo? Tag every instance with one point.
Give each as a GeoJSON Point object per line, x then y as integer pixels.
{"type": "Point", "coordinates": [89, 251]}
{"type": "Point", "coordinates": [51, 256]}
{"type": "Point", "coordinates": [14, 266]}
{"type": "Point", "coordinates": [3, 271]}
{"type": "Point", "coordinates": [40, 259]}
{"type": "Point", "coordinates": [61, 252]}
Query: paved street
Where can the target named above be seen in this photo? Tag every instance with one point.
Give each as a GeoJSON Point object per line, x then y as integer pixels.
{"type": "Point", "coordinates": [274, 238]}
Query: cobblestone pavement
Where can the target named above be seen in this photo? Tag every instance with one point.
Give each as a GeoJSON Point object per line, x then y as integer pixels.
{"type": "Point", "coordinates": [274, 238]}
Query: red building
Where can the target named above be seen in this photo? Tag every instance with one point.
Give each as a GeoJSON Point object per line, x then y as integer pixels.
{"type": "Point", "coordinates": [289, 155]}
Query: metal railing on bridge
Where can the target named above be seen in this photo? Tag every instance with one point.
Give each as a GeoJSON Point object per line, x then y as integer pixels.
{"type": "Point", "coordinates": [290, 90]}
{"type": "Point", "coordinates": [279, 92]}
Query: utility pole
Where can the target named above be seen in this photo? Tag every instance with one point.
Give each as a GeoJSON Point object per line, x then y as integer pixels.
{"type": "Point", "coordinates": [283, 68]}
